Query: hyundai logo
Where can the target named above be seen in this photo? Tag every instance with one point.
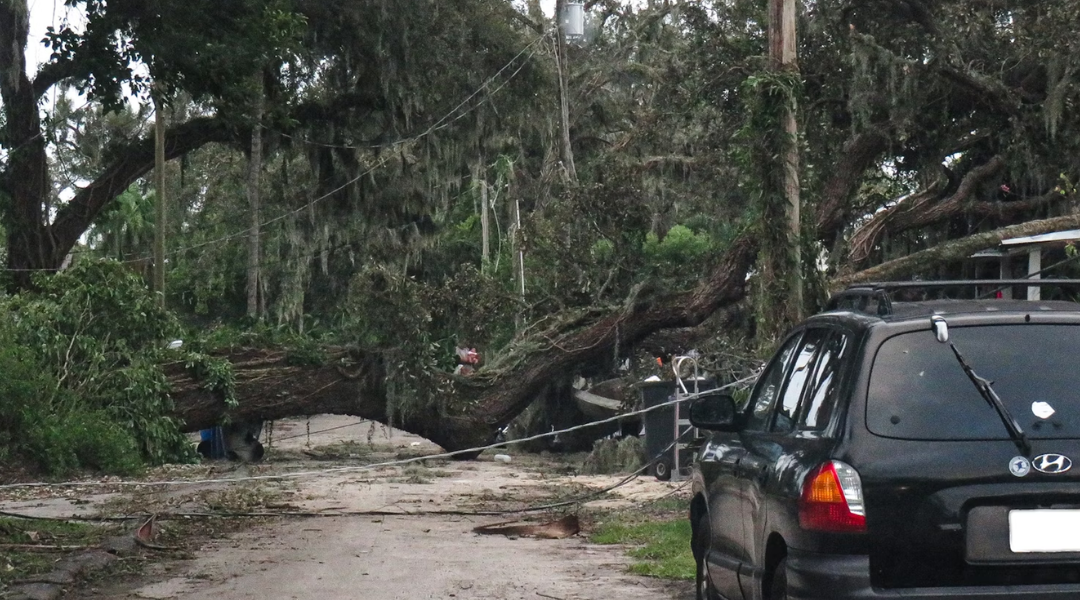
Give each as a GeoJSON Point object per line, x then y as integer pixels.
{"type": "Point", "coordinates": [1052, 463]}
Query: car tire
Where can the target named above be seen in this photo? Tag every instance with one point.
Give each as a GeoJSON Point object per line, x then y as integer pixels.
{"type": "Point", "coordinates": [700, 541]}
{"type": "Point", "coordinates": [662, 470]}
{"type": "Point", "coordinates": [778, 587]}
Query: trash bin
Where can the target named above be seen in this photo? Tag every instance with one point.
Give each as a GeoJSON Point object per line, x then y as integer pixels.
{"type": "Point", "coordinates": [212, 443]}
{"type": "Point", "coordinates": [660, 426]}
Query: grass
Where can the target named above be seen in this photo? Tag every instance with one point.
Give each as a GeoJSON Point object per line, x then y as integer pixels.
{"type": "Point", "coordinates": [660, 535]}
{"type": "Point", "coordinates": [18, 564]}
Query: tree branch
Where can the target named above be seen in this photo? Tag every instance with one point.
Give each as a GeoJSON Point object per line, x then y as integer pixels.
{"type": "Point", "coordinates": [956, 250]}
{"type": "Point", "coordinates": [52, 73]}
{"type": "Point", "coordinates": [135, 161]}
{"type": "Point", "coordinates": [834, 209]}
{"type": "Point", "coordinates": [919, 210]}
{"type": "Point", "coordinates": [989, 93]}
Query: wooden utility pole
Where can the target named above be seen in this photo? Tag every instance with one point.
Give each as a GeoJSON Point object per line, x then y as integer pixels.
{"type": "Point", "coordinates": [254, 275]}
{"type": "Point", "coordinates": [783, 57]}
{"type": "Point", "coordinates": [159, 196]}
{"type": "Point", "coordinates": [564, 101]}
{"type": "Point", "coordinates": [485, 227]}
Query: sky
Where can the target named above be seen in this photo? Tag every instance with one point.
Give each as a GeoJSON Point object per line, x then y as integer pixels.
{"type": "Point", "coordinates": [43, 13]}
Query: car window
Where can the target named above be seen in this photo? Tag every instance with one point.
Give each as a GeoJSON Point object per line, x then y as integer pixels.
{"type": "Point", "coordinates": [788, 408]}
{"type": "Point", "coordinates": [918, 390]}
{"type": "Point", "coordinates": [821, 393]}
{"type": "Point", "coordinates": [768, 387]}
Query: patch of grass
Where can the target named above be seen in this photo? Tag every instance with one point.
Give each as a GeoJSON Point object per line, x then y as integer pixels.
{"type": "Point", "coordinates": [18, 564]}
{"type": "Point", "coordinates": [663, 547]}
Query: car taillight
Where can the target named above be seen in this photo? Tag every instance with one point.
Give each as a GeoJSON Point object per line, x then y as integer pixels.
{"type": "Point", "coordinates": [832, 500]}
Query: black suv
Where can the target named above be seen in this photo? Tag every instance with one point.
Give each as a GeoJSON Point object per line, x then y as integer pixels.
{"type": "Point", "coordinates": [899, 450]}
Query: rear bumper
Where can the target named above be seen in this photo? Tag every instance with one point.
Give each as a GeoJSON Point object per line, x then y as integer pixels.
{"type": "Point", "coordinates": [813, 576]}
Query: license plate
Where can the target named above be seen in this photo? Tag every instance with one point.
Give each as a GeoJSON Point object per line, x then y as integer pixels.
{"type": "Point", "coordinates": [1050, 530]}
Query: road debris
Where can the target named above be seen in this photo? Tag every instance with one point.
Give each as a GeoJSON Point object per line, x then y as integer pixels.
{"type": "Point", "coordinates": [555, 530]}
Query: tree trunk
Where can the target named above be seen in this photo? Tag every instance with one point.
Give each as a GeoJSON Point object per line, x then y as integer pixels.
{"type": "Point", "coordinates": [30, 245]}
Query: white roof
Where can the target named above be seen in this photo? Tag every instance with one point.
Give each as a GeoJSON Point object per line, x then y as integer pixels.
{"type": "Point", "coordinates": [1058, 236]}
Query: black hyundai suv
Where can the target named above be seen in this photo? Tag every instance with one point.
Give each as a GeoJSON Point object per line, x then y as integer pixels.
{"type": "Point", "coordinates": [899, 450]}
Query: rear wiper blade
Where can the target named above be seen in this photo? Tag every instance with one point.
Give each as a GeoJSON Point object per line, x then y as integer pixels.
{"type": "Point", "coordinates": [986, 390]}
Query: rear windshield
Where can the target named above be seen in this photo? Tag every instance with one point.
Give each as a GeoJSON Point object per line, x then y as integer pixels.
{"type": "Point", "coordinates": [919, 391]}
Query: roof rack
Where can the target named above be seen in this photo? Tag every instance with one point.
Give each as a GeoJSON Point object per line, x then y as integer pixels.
{"type": "Point", "coordinates": [861, 297]}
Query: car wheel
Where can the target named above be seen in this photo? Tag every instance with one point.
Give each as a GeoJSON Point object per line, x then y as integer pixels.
{"type": "Point", "coordinates": [700, 543]}
{"type": "Point", "coordinates": [662, 470]}
{"type": "Point", "coordinates": [778, 588]}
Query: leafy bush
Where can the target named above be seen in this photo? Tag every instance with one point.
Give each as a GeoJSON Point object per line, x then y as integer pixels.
{"type": "Point", "coordinates": [615, 456]}
{"type": "Point", "coordinates": [88, 347]}
{"type": "Point", "coordinates": [678, 258]}
{"type": "Point", "coordinates": [42, 428]}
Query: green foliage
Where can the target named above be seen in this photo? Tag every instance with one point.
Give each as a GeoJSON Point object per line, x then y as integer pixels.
{"type": "Point", "coordinates": [42, 428]}
{"type": "Point", "coordinates": [216, 375]}
{"type": "Point", "coordinates": [663, 546]}
{"type": "Point", "coordinates": [100, 340]}
{"type": "Point", "coordinates": [18, 565]}
{"type": "Point", "coordinates": [679, 258]}
{"type": "Point", "coordinates": [202, 47]}
{"type": "Point", "coordinates": [615, 456]}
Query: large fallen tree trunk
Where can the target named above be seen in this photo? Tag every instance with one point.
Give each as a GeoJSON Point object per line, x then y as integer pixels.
{"type": "Point", "coordinates": [269, 387]}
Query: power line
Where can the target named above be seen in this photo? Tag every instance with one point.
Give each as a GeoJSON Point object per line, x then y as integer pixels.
{"type": "Point", "coordinates": [371, 467]}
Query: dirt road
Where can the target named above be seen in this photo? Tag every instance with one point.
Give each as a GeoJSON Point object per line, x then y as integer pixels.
{"type": "Point", "coordinates": [389, 557]}
{"type": "Point", "coordinates": [397, 558]}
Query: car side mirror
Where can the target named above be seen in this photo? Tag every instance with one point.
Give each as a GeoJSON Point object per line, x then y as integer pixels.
{"type": "Point", "coordinates": [715, 413]}
{"type": "Point", "coordinates": [941, 328]}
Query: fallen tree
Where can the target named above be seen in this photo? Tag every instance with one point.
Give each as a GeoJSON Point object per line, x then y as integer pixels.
{"type": "Point", "coordinates": [269, 387]}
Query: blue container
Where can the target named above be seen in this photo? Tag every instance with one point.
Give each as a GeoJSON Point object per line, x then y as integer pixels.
{"type": "Point", "coordinates": [213, 443]}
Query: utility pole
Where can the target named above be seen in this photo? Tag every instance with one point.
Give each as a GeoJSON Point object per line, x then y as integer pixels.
{"type": "Point", "coordinates": [783, 57]}
{"type": "Point", "coordinates": [254, 274]}
{"type": "Point", "coordinates": [564, 101]}
{"type": "Point", "coordinates": [485, 227]}
{"type": "Point", "coordinates": [159, 196]}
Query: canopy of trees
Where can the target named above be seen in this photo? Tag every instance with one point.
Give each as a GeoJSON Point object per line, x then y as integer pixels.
{"type": "Point", "coordinates": [407, 166]}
